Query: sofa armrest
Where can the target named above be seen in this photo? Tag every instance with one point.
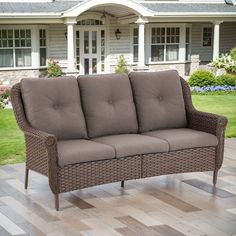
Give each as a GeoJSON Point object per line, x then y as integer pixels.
{"type": "Point", "coordinates": [207, 122]}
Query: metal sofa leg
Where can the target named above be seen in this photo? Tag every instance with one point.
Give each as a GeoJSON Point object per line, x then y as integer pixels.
{"type": "Point", "coordinates": [122, 184]}
{"type": "Point", "coordinates": [215, 177]}
{"type": "Point", "coordinates": [26, 177]}
{"type": "Point", "coordinates": [56, 196]}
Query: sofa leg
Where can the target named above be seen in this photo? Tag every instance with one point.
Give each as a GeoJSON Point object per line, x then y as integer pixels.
{"type": "Point", "coordinates": [26, 177]}
{"type": "Point", "coordinates": [122, 184]}
{"type": "Point", "coordinates": [215, 177]}
{"type": "Point", "coordinates": [56, 196]}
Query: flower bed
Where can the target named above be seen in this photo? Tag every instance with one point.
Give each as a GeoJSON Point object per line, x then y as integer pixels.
{"type": "Point", "coordinates": [5, 97]}
{"type": "Point", "coordinates": [214, 89]}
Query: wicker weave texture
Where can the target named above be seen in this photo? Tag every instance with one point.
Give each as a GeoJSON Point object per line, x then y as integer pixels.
{"type": "Point", "coordinates": [100, 172]}
{"type": "Point", "coordinates": [189, 160]}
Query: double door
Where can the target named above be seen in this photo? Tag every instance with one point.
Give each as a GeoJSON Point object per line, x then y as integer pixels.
{"type": "Point", "coordinates": [90, 51]}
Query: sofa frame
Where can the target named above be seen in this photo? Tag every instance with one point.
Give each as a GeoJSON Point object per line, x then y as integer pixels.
{"type": "Point", "coordinates": [41, 154]}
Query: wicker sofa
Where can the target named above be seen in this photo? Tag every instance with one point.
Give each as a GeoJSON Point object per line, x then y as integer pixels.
{"type": "Point", "coordinates": [91, 130]}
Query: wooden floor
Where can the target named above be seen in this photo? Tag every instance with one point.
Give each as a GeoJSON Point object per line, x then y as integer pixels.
{"type": "Point", "coordinates": [176, 205]}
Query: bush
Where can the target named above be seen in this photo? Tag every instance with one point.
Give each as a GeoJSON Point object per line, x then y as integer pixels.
{"type": "Point", "coordinates": [226, 62]}
{"type": "Point", "coordinates": [233, 53]}
{"type": "Point", "coordinates": [121, 66]}
{"type": "Point", "coordinates": [54, 70]}
{"type": "Point", "coordinates": [4, 96]}
{"type": "Point", "coordinates": [202, 78]}
{"type": "Point", "coordinates": [226, 80]}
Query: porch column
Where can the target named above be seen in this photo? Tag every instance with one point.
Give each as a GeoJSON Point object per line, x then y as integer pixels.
{"type": "Point", "coordinates": [141, 42]}
{"type": "Point", "coordinates": [71, 67]}
{"type": "Point", "coordinates": [216, 42]}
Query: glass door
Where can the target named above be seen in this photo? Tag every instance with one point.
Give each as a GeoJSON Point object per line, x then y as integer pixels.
{"type": "Point", "coordinates": [90, 50]}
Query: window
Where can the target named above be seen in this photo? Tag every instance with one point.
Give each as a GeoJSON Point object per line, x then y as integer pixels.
{"type": "Point", "coordinates": [188, 45]}
{"type": "Point", "coordinates": [207, 37]}
{"type": "Point", "coordinates": [15, 48]}
{"type": "Point", "coordinates": [42, 47]}
{"type": "Point", "coordinates": [103, 50]}
{"type": "Point", "coordinates": [165, 44]}
{"type": "Point", "coordinates": [78, 50]}
{"type": "Point", "coordinates": [90, 22]}
{"type": "Point", "coordinates": [135, 45]}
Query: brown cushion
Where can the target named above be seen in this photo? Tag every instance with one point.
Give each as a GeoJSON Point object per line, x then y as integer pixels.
{"type": "Point", "coordinates": [77, 151]}
{"type": "Point", "coordinates": [159, 100]}
{"type": "Point", "coordinates": [53, 106]}
{"type": "Point", "coordinates": [134, 144]}
{"type": "Point", "coordinates": [108, 104]}
{"type": "Point", "coordinates": [180, 139]}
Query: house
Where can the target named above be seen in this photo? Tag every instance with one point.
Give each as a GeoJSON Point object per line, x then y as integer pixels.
{"type": "Point", "coordinates": [87, 37]}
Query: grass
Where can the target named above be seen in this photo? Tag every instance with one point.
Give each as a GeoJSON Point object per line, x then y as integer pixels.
{"type": "Point", "coordinates": [12, 141]}
{"type": "Point", "coordinates": [219, 104]}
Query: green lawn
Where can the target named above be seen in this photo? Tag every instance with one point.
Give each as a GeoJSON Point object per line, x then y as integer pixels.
{"type": "Point", "coordinates": [12, 143]}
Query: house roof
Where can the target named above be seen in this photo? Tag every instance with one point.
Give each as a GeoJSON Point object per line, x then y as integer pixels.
{"type": "Point", "coordinates": [157, 8]}
{"type": "Point", "coordinates": [190, 7]}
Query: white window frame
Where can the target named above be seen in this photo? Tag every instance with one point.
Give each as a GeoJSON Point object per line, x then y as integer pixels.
{"type": "Point", "coordinates": [35, 56]}
{"type": "Point", "coordinates": [132, 27]}
{"type": "Point", "coordinates": [212, 35]}
{"type": "Point", "coordinates": [182, 42]}
{"type": "Point", "coordinates": [43, 28]}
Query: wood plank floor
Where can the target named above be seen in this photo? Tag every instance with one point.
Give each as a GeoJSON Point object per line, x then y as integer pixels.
{"type": "Point", "coordinates": [175, 205]}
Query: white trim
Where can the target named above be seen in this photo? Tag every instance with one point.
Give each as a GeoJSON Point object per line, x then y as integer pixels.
{"type": "Point", "coordinates": [88, 4]}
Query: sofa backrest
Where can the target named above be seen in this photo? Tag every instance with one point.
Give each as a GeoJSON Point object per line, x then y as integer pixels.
{"type": "Point", "coordinates": [159, 100]}
{"type": "Point", "coordinates": [108, 104]}
{"type": "Point", "coordinates": [54, 106]}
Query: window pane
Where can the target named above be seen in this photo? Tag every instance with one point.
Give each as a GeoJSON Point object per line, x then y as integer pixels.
{"type": "Point", "coordinates": [22, 33]}
{"type": "Point", "coordinates": [42, 56]}
{"type": "Point", "coordinates": [86, 42]}
{"type": "Point", "coordinates": [207, 37]}
{"type": "Point", "coordinates": [86, 66]}
{"type": "Point", "coordinates": [94, 65]}
{"type": "Point", "coordinates": [187, 35]}
{"type": "Point", "coordinates": [23, 57]}
{"type": "Point", "coordinates": [94, 42]}
{"type": "Point", "coordinates": [6, 58]}
{"type": "Point", "coordinates": [172, 52]}
{"type": "Point", "coordinates": [187, 58]}
{"type": "Point", "coordinates": [157, 53]}
{"type": "Point", "coordinates": [135, 53]}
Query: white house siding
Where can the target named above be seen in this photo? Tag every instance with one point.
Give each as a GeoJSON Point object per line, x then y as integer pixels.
{"type": "Point", "coordinates": [57, 43]}
{"type": "Point", "coordinates": [118, 47]}
{"type": "Point", "coordinates": [227, 36]}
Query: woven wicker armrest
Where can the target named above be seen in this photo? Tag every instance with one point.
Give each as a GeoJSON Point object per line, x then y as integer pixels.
{"type": "Point", "coordinates": [206, 122]}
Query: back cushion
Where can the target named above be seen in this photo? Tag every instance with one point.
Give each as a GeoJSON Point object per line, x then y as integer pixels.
{"type": "Point", "coordinates": [159, 100]}
{"type": "Point", "coordinates": [54, 106]}
{"type": "Point", "coordinates": [108, 104]}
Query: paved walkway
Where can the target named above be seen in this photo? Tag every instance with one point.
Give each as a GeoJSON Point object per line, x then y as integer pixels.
{"type": "Point", "coordinates": [184, 204]}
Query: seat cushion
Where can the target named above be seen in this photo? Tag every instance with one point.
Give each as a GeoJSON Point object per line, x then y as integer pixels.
{"type": "Point", "coordinates": [54, 106]}
{"type": "Point", "coordinates": [159, 100]}
{"type": "Point", "coordinates": [180, 139]}
{"type": "Point", "coordinates": [134, 144]}
{"type": "Point", "coordinates": [78, 151]}
{"type": "Point", "coordinates": [108, 105]}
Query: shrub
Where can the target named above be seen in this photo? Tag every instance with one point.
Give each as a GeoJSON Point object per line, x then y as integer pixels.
{"type": "Point", "coordinates": [54, 70]}
{"type": "Point", "coordinates": [226, 62]}
{"type": "Point", "coordinates": [121, 65]}
{"type": "Point", "coordinates": [233, 53]}
{"type": "Point", "coordinates": [202, 78]}
{"type": "Point", "coordinates": [226, 80]}
{"type": "Point", "coordinates": [4, 96]}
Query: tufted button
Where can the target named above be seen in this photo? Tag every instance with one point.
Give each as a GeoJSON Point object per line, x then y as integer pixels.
{"type": "Point", "coordinates": [110, 102]}
{"type": "Point", "coordinates": [55, 106]}
{"type": "Point", "coordinates": [160, 98]}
